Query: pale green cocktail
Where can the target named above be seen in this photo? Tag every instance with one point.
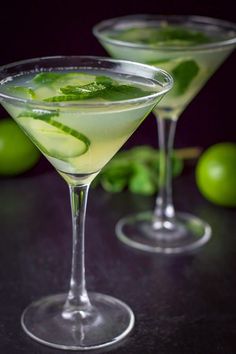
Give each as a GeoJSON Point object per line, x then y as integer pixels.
{"type": "Point", "coordinates": [186, 50]}
{"type": "Point", "coordinates": [74, 141]}
{"type": "Point", "coordinates": [191, 48]}
{"type": "Point", "coordinates": [79, 111]}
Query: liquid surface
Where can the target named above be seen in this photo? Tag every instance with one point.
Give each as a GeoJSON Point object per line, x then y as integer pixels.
{"type": "Point", "coordinates": [74, 87]}
{"type": "Point", "coordinates": [166, 35]}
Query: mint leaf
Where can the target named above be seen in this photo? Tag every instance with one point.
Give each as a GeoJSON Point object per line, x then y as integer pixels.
{"type": "Point", "coordinates": [136, 169]}
{"type": "Point", "coordinates": [114, 176]}
{"type": "Point", "coordinates": [143, 180]}
{"type": "Point", "coordinates": [177, 165]}
{"type": "Point", "coordinates": [87, 90]}
{"type": "Point", "coordinates": [104, 80]}
{"type": "Point", "coordinates": [74, 89]}
{"type": "Point", "coordinates": [80, 92]}
{"type": "Point", "coordinates": [122, 92]}
{"type": "Point", "coordinates": [183, 75]}
{"type": "Point", "coordinates": [113, 184]}
{"type": "Point", "coordinates": [115, 180]}
{"type": "Point", "coordinates": [46, 78]}
{"type": "Point", "coordinates": [143, 153]}
{"type": "Point", "coordinates": [103, 87]}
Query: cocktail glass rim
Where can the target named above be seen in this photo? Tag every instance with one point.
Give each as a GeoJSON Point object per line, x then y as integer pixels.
{"type": "Point", "coordinates": [200, 20]}
{"type": "Point", "coordinates": [36, 103]}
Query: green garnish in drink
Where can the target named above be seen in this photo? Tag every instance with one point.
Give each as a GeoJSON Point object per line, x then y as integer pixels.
{"type": "Point", "coordinates": [184, 73]}
{"type": "Point", "coordinates": [102, 88]}
{"type": "Point", "coordinates": [170, 47]}
{"type": "Point", "coordinates": [73, 138]}
{"type": "Point", "coordinates": [21, 91]}
{"type": "Point", "coordinates": [77, 142]}
{"type": "Point", "coordinates": [167, 35]}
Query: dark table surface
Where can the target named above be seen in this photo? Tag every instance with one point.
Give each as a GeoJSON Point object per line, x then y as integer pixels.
{"type": "Point", "coordinates": [183, 304]}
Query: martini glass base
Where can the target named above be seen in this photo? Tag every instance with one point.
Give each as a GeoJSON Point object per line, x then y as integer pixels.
{"type": "Point", "coordinates": [109, 322]}
{"type": "Point", "coordinates": [186, 234]}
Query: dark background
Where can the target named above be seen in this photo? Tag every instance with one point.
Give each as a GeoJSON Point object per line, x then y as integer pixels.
{"type": "Point", "coordinates": [42, 28]}
{"type": "Point", "coordinates": [183, 305]}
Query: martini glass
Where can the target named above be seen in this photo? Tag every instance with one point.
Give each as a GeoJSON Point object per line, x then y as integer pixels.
{"type": "Point", "coordinates": [79, 111]}
{"type": "Point", "coordinates": [191, 48]}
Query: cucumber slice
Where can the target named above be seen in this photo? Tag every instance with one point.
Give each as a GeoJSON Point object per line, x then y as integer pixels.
{"type": "Point", "coordinates": [52, 137]}
{"type": "Point", "coordinates": [74, 78]}
{"type": "Point", "coordinates": [43, 92]}
{"type": "Point", "coordinates": [60, 78]}
{"type": "Point", "coordinates": [21, 91]}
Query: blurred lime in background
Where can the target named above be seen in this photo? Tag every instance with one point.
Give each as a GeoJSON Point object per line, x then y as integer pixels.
{"type": "Point", "coordinates": [17, 153]}
{"type": "Point", "coordinates": [216, 174]}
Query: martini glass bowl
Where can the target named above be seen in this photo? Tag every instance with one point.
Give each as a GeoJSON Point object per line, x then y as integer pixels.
{"type": "Point", "coordinates": [78, 138]}
{"type": "Point", "coordinates": [191, 49]}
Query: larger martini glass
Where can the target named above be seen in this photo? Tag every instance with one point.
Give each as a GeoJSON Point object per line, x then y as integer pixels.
{"type": "Point", "coordinates": [191, 49]}
{"type": "Point", "coordinates": [79, 111]}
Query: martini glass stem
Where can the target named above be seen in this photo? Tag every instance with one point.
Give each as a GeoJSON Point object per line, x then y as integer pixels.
{"type": "Point", "coordinates": [78, 300]}
{"type": "Point", "coordinates": [164, 213]}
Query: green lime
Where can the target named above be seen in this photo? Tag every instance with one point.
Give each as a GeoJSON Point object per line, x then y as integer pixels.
{"type": "Point", "coordinates": [216, 174]}
{"type": "Point", "coordinates": [17, 153]}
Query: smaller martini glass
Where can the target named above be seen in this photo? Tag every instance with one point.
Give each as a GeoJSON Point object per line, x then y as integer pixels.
{"type": "Point", "coordinates": [79, 111]}
{"type": "Point", "coordinates": [191, 48]}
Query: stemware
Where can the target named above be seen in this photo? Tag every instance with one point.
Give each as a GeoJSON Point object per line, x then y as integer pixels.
{"type": "Point", "coordinates": [79, 137]}
{"type": "Point", "coordinates": [191, 64]}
